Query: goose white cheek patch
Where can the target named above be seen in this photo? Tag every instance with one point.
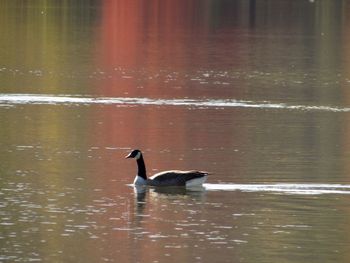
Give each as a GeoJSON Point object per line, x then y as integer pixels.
{"type": "Point", "coordinates": [138, 155]}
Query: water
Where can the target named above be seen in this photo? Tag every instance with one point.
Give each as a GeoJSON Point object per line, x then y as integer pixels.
{"type": "Point", "coordinates": [255, 93]}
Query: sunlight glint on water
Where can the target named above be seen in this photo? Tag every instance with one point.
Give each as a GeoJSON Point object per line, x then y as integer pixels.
{"type": "Point", "coordinates": [312, 189]}
{"type": "Point", "coordinates": [12, 99]}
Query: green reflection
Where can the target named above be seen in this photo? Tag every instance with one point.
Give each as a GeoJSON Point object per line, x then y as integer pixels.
{"type": "Point", "coordinates": [45, 46]}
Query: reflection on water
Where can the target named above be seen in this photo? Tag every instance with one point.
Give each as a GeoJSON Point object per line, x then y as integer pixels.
{"type": "Point", "coordinates": [13, 99]}
{"type": "Point", "coordinates": [256, 92]}
{"type": "Point", "coordinates": [48, 219]}
{"type": "Point", "coordinates": [283, 188]}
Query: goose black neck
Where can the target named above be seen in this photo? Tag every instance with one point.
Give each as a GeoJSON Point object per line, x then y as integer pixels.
{"type": "Point", "coordinates": [141, 168]}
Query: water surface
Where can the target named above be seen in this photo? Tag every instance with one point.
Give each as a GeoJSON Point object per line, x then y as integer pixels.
{"type": "Point", "coordinates": [255, 93]}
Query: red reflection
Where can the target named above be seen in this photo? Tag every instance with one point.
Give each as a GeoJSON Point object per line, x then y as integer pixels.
{"type": "Point", "coordinates": [121, 33]}
{"type": "Point", "coordinates": [148, 49]}
{"type": "Point", "coordinates": [139, 39]}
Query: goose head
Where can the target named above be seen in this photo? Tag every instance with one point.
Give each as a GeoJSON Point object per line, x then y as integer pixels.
{"type": "Point", "coordinates": [134, 154]}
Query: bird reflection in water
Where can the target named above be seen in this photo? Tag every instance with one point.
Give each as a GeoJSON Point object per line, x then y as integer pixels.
{"type": "Point", "coordinates": [142, 191]}
{"type": "Point", "coordinates": [146, 199]}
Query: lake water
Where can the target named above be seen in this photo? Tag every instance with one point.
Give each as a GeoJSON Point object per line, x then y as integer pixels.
{"type": "Point", "coordinates": [255, 92]}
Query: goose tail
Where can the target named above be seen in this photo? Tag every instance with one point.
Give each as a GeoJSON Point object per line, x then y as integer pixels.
{"type": "Point", "coordinates": [201, 177]}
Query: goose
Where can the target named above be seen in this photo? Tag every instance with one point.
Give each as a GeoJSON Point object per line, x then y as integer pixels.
{"type": "Point", "coordinates": [166, 178]}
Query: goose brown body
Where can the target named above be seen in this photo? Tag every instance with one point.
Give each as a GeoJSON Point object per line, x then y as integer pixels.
{"type": "Point", "coordinates": [166, 178]}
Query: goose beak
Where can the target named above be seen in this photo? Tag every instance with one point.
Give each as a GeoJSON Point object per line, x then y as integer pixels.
{"type": "Point", "coordinates": [128, 156]}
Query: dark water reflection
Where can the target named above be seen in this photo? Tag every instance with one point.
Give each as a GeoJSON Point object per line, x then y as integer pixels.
{"type": "Point", "coordinates": [255, 92]}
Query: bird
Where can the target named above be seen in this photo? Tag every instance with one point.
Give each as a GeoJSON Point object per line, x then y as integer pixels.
{"type": "Point", "coordinates": [191, 178]}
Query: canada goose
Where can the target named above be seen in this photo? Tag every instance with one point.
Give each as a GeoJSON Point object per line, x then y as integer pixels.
{"type": "Point", "coordinates": [166, 178]}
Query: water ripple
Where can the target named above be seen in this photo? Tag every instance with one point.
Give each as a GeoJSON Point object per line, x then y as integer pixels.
{"type": "Point", "coordinates": [13, 99]}
{"type": "Point", "coordinates": [311, 189]}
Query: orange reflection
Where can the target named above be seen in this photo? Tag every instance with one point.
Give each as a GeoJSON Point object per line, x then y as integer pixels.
{"type": "Point", "coordinates": [138, 43]}
{"type": "Point", "coordinates": [146, 39]}
{"type": "Point", "coordinates": [141, 48]}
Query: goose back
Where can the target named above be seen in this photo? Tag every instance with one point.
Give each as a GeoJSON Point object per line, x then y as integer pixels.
{"type": "Point", "coordinates": [174, 178]}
